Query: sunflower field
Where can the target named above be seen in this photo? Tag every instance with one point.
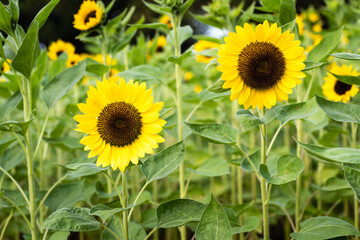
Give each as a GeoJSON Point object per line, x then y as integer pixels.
{"type": "Point", "coordinates": [152, 129]}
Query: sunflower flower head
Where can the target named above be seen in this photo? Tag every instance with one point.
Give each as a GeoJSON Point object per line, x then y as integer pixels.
{"type": "Point", "coordinates": [73, 59]}
{"type": "Point", "coordinates": [88, 16]}
{"type": "Point", "coordinates": [260, 66]}
{"type": "Point", "coordinates": [4, 69]}
{"type": "Point", "coordinates": [58, 47]}
{"type": "Point", "coordinates": [121, 122]}
{"type": "Point", "coordinates": [336, 90]}
{"type": "Point", "coordinates": [202, 45]}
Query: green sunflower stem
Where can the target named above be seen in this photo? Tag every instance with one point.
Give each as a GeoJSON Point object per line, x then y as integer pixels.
{"type": "Point", "coordinates": [263, 187]}
{"type": "Point", "coordinates": [356, 203]}
{"type": "Point", "coordinates": [175, 20]}
{"type": "Point", "coordinates": [125, 200]}
{"type": "Point", "coordinates": [253, 176]}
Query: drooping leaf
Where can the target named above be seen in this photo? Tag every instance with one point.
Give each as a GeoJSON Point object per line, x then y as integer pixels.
{"type": "Point", "coordinates": [295, 111]}
{"type": "Point", "coordinates": [72, 219]}
{"type": "Point", "coordinates": [212, 167]}
{"type": "Point", "coordinates": [289, 167]}
{"type": "Point", "coordinates": [28, 52]}
{"type": "Point", "coordinates": [105, 212]}
{"type": "Point", "coordinates": [339, 155]}
{"type": "Point", "coordinates": [58, 87]}
{"type": "Point", "coordinates": [217, 87]}
{"type": "Point", "coordinates": [251, 223]}
{"type": "Point", "coordinates": [65, 195]}
{"type": "Point", "coordinates": [339, 111]}
{"type": "Point", "coordinates": [179, 60]}
{"type": "Point", "coordinates": [216, 133]}
{"type": "Point", "coordinates": [347, 56]}
{"type": "Point", "coordinates": [136, 232]}
{"type": "Point", "coordinates": [319, 228]}
{"type": "Point", "coordinates": [179, 212]}
{"type": "Point", "coordinates": [77, 170]}
{"type": "Point", "coordinates": [352, 175]}
{"type": "Point", "coordinates": [163, 163]}
{"type": "Point", "coordinates": [248, 121]}
{"type": "Point", "coordinates": [325, 47]}
{"type": "Point", "coordinates": [214, 223]}
{"type": "Point", "coordinates": [312, 65]}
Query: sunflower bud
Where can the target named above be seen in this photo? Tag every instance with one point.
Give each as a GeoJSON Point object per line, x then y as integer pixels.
{"type": "Point", "coordinates": [174, 4]}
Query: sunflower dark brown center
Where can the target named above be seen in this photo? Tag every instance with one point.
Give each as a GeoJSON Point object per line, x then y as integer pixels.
{"type": "Point", "coordinates": [91, 14]}
{"type": "Point", "coordinates": [119, 124]}
{"type": "Point", "coordinates": [341, 88]}
{"type": "Point", "coordinates": [59, 52]}
{"type": "Point", "coordinates": [261, 65]}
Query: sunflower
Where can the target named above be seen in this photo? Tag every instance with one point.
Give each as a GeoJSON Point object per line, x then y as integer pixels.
{"type": "Point", "coordinates": [204, 45]}
{"type": "Point", "coordinates": [300, 22]}
{"type": "Point", "coordinates": [260, 66]}
{"type": "Point", "coordinates": [338, 91]}
{"type": "Point", "coordinates": [166, 20]}
{"type": "Point", "coordinates": [88, 16]}
{"type": "Point", "coordinates": [73, 59]}
{"type": "Point", "coordinates": [4, 69]}
{"type": "Point", "coordinates": [58, 47]}
{"type": "Point", "coordinates": [121, 122]}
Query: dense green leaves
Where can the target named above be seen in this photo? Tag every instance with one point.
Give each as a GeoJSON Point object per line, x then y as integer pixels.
{"type": "Point", "coordinates": [289, 167]}
{"type": "Point", "coordinates": [339, 111]}
{"type": "Point", "coordinates": [163, 163]}
{"type": "Point", "coordinates": [319, 228]}
{"type": "Point", "coordinates": [216, 133]}
{"type": "Point", "coordinates": [71, 219]}
{"type": "Point", "coordinates": [339, 155]}
{"type": "Point", "coordinates": [179, 212]}
{"type": "Point", "coordinates": [214, 223]}
{"type": "Point", "coordinates": [28, 52]}
{"type": "Point", "coordinates": [295, 111]}
{"type": "Point", "coordinates": [352, 175]}
{"type": "Point", "coordinates": [325, 47]}
{"type": "Point", "coordinates": [61, 84]}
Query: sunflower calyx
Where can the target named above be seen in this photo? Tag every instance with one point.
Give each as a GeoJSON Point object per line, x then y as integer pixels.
{"type": "Point", "coordinates": [173, 4]}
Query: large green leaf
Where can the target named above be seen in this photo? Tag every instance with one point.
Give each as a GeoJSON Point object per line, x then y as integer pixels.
{"type": "Point", "coordinates": [15, 126]}
{"type": "Point", "coordinates": [44, 13]}
{"type": "Point", "coordinates": [71, 219]}
{"type": "Point", "coordinates": [347, 56]}
{"type": "Point", "coordinates": [11, 158]}
{"type": "Point", "coordinates": [58, 199]}
{"type": "Point", "coordinates": [214, 223]}
{"type": "Point", "coordinates": [248, 121]}
{"type": "Point", "coordinates": [352, 80]}
{"type": "Point", "coordinates": [287, 11]}
{"type": "Point", "coordinates": [319, 228]}
{"type": "Point", "coordinates": [184, 33]}
{"type": "Point", "coordinates": [5, 19]}
{"type": "Point", "coordinates": [179, 212]}
{"type": "Point", "coordinates": [352, 175]}
{"type": "Point", "coordinates": [212, 167]}
{"type": "Point", "coordinates": [165, 162]}
{"type": "Point", "coordinates": [61, 84]}
{"type": "Point", "coordinates": [325, 47]}
{"type": "Point", "coordinates": [295, 111]}
{"type": "Point", "coordinates": [10, 104]}
{"type": "Point", "coordinates": [217, 87]}
{"type": "Point", "coordinates": [136, 232]}
{"type": "Point", "coordinates": [216, 133]}
{"type": "Point", "coordinates": [289, 167]}
{"type": "Point", "coordinates": [28, 52]}
{"type": "Point", "coordinates": [339, 111]}
{"type": "Point", "coordinates": [104, 212]}
{"type": "Point", "coordinates": [339, 155]}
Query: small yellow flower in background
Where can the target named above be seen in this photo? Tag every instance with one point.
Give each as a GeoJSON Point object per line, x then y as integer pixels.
{"type": "Point", "coordinates": [121, 122]}
{"type": "Point", "coordinates": [300, 22]}
{"type": "Point", "coordinates": [317, 28]}
{"type": "Point", "coordinates": [197, 88]}
{"type": "Point", "coordinates": [160, 43]}
{"type": "Point", "coordinates": [316, 38]}
{"type": "Point", "coordinates": [73, 59]}
{"type": "Point", "coordinates": [262, 65]}
{"type": "Point", "coordinates": [88, 16]}
{"type": "Point", "coordinates": [188, 76]}
{"type": "Point", "coordinates": [344, 37]}
{"type": "Point", "coordinates": [202, 45]}
{"type": "Point", "coordinates": [166, 20]}
{"type": "Point", "coordinates": [313, 17]}
{"type": "Point", "coordinates": [338, 91]}
{"type": "Point", "coordinates": [111, 62]}
{"type": "Point", "coordinates": [58, 47]}
{"type": "Point", "coordinates": [5, 68]}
